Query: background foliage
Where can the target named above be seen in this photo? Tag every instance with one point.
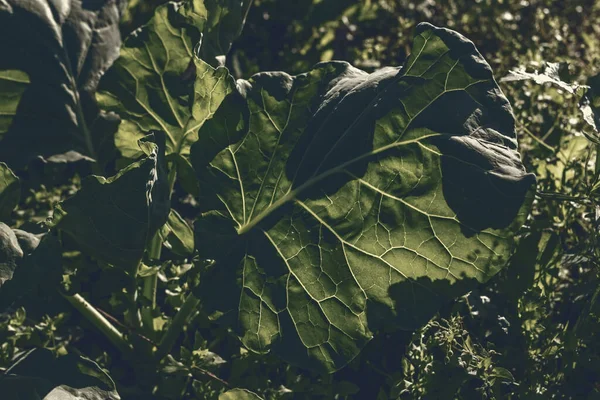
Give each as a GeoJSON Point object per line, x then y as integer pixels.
{"type": "Point", "coordinates": [531, 332]}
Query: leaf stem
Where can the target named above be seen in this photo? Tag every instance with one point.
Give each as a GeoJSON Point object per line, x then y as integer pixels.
{"type": "Point", "coordinates": [154, 252]}
{"type": "Point", "coordinates": [150, 284]}
{"type": "Point", "coordinates": [168, 340]}
{"type": "Point", "coordinates": [100, 322]}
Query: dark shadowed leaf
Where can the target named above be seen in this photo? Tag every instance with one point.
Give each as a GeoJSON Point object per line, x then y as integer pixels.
{"type": "Point", "coordinates": [41, 267]}
{"type": "Point", "coordinates": [10, 191]}
{"type": "Point", "coordinates": [42, 376]}
{"type": "Point", "coordinates": [225, 23]}
{"type": "Point", "coordinates": [113, 218]}
{"type": "Point", "coordinates": [185, 173]}
{"type": "Point", "coordinates": [10, 253]}
{"type": "Point", "coordinates": [352, 202]}
{"type": "Point", "coordinates": [64, 47]}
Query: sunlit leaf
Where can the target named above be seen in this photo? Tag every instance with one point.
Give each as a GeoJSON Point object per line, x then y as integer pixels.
{"type": "Point", "coordinates": [341, 203]}
{"type": "Point", "coordinates": [159, 83]}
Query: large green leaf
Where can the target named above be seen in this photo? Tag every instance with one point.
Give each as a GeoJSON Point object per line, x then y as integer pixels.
{"type": "Point", "coordinates": [114, 218]}
{"type": "Point", "coordinates": [64, 47]}
{"type": "Point", "coordinates": [10, 191]}
{"type": "Point", "coordinates": [159, 83]}
{"type": "Point", "coordinates": [42, 376]}
{"type": "Point", "coordinates": [341, 203]}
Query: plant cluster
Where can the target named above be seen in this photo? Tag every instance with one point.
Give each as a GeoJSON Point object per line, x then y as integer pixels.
{"type": "Point", "coordinates": [175, 223]}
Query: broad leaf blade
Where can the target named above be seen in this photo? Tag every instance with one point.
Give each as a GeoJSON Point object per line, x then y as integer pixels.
{"type": "Point", "coordinates": [64, 47]}
{"type": "Point", "coordinates": [42, 376]}
{"type": "Point", "coordinates": [10, 191]}
{"type": "Point", "coordinates": [150, 85]}
{"type": "Point", "coordinates": [114, 218]}
{"type": "Point", "coordinates": [358, 202]}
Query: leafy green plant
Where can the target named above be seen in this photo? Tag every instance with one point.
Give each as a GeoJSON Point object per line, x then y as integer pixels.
{"type": "Point", "coordinates": [332, 210]}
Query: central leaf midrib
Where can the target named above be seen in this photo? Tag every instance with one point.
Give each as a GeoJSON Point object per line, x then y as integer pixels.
{"type": "Point", "coordinates": [293, 193]}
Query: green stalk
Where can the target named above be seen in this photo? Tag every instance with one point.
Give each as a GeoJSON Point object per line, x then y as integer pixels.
{"type": "Point", "coordinates": [170, 337]}
{"type": "Point", "coordinates": [150, 282]}
{"type": "Point", "coordinates": [98, 320]}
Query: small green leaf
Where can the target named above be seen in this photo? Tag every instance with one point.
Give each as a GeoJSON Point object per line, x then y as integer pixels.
{"type": "Point", "coordinates": [179, 234]}
{"type": "Point", "coordinates": [239, 394]}
{"type": "Point", "coordinates": [42, 376]}
{"type": "Point", "coordinates": [114, 218]}
{"type": "Point", "coordinates": [502, 373]}
{"type": "Point", "coordinates": [10, 191]}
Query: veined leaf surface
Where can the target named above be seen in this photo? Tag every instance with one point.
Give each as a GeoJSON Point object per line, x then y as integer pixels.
{"type": "Point", "coordinates": [159, 83]}
{"type": "Point", "coordinates": [341, 203]}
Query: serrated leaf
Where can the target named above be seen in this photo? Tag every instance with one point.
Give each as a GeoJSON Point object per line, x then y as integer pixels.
{"type": "Point", "coordinates": [150, 85]}
{"type": "Point", "coordinates": [10, 191]}
{"type": "Point", "coordinates": [355, 202]}
{"type": "Point", "coordinates": [114, 218]}
{"type": "Point", "coordinates": [239, 394]}
{"type": "Point", "coordinates": [42, 376]}
{"type": "Point", "coordinates": [550, 74]}
{"type": "Point", "coordinates": [64, 48]}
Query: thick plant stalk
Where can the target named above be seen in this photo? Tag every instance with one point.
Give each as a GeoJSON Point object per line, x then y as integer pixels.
{"type": "Point", "coordinates": [168, 340]}
{"type": "Point", "coordinates": [149, 285]}
{"type": "Point", "coordinates": [100, 322]}
{"type": "Point", "coordinates": [150, 282]}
